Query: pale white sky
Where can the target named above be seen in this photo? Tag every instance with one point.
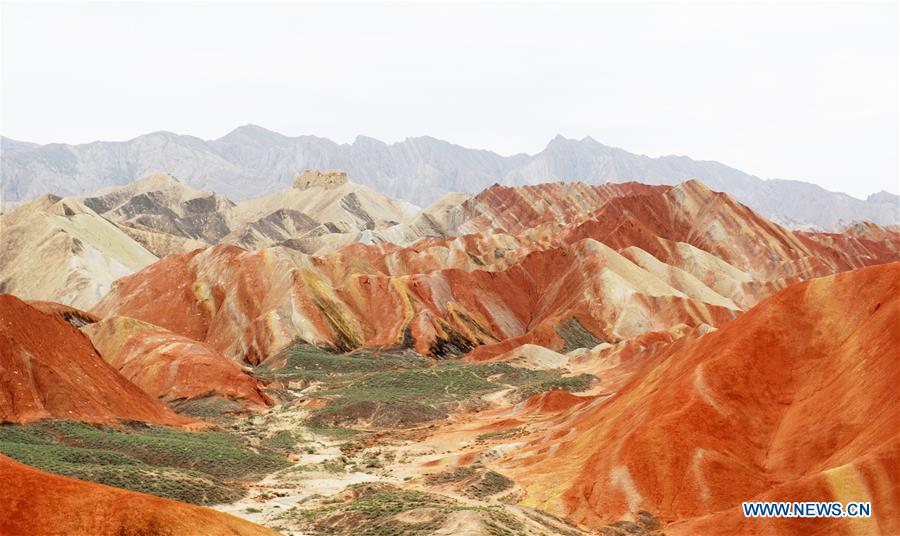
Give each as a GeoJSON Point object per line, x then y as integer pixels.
{"type": "Point", "coordinates": [802, 90]}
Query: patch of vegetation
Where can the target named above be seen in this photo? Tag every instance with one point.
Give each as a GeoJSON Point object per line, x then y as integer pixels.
{"type": "Point", "coordinates": [333, 432]}
{"type": "Point", "coordinates": [398, 390]}
{"type": "Point", "coordinates": [491, 483]}
{"type": "Point", "coordinates": [501, 434]}
{"type": "Point", "coordinates": [307, 362]}
{"type": "Point", "coordinates": [571, 384]}
{"type": "Point", "coordinates": [281, 442]}
{"type": "Point", "coordinates": [195, 467]}
{"type": "Point", "coordinates": [337, 465]}
{"type": "Point", "coordinates": [212, 408]}
{"type": "Point", "coordinates": [575, 335]}
{"type": "Point", "coordinates": [456, 475]}
{"type": "Point", "coordinates": [373, 510]}
{"type": "Point", "coordinates": [446, 382]}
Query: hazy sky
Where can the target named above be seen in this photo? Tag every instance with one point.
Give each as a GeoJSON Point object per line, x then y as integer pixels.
{"type": "Point", "coordinates": [803, 90]}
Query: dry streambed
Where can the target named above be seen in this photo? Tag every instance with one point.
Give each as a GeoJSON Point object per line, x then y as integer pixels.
{"type": "Point", "coordinates": [363, 437]}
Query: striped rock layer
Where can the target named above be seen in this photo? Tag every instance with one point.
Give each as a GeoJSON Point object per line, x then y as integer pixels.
{"type": "Point", "coordinates": [560, 266]}
{"type": "Point", "coordinates": [794, 400]}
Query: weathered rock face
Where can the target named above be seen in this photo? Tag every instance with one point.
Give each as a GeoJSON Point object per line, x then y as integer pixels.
{"type": "Point", "coordinates": [160, 203]}
{"type": "Point", "coordinates": [795, 398]}
{"type": "Point", "coordinates": [313, 178]}
{"type": "Point", "coordinates": [35, 502]}
{"type": "Point", "coordinates": [51, 371]}
{"type": "Point", "coordinates": [646, 259]}
{"type": "Point", "coordinates": [171, 367]}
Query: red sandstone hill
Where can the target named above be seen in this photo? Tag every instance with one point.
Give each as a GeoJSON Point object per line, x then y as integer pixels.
{"type": "Point", "coordinates": [36, 503]}
{"type": "Point", "coordinates": [51, 371]}
{"type": "Point", "coordinates": [76, 317]}
{"type": "Point", "coordinates": [169, 366]}
{"type": "Point", "coordinates": [795, 400]}
{"type": "Point", "coordinates": [251, 304]}
{"type": "Point", "coordinates": [610, 262]}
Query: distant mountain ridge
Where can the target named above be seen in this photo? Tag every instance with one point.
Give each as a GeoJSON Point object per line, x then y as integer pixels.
{"type": "Point", "coordinates": [252, 161]}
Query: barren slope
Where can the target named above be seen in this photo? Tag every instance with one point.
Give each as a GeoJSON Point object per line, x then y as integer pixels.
{"type": "Point", "coordinates": [169, 366]}
{"type": "Point", "coordinates": [794, 400]}
{"type": "Point", "coordinates": [60, 250]}
{"type": "Point", "coordinates": [36, 503]}
{"type": "Point", "coordinates": [51, 370]}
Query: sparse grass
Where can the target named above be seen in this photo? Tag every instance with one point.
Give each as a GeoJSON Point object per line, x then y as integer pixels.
{"type": "Point", "coordinates": [196, 467]}
{"type": "Point", "coordinates": [307, 362]}
{"type": "Point", "coordinates": [575, 335]}
{"type": "Point", "coordinates": [491, 483]}
{"type": "Point", "coordinates": [332, 432]}
{"type": "Point", "coordinates": [373, 513]}
{"type": "Point", "coordinates": [402, 385]}
{"type": "Point", "coordinates": [212, 408]}
{"type": "Point", "coordinates": [282, 442]}
{"type": "Point", "coordinates": [500, 434]}
{"type": "Point", "coordinates": [458, 474]}
{"type": "Point", "coordinates": [571, 384]}
{"type": "Point", "coordinates": [446, 382]}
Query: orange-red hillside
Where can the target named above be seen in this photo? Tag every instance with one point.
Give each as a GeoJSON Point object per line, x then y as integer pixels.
{"type": "Point", "coordinates": [36, 503]}
{"type": "Point", "coordinates": [51, 370]}
{"type": "Point", "coordinates": [251, 304]}
{"type": "Point", "coordinates": [76, 317]}
{"type": "Point", "coordinates": [170, 366]}
{"type": "Point", "coordinates": [795, 400]}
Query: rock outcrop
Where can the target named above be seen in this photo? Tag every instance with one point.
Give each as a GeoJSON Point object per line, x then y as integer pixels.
{"type": "Point", "coordinates": [60, 250]}
{"type": "Point", "coordinates": [313, 178]}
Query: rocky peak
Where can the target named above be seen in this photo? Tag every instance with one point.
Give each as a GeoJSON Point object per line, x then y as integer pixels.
{"type": "Point", "coordinates": [328, 179]}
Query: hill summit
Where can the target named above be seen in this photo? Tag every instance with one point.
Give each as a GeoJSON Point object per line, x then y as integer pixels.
{"type": "Point", "coordinates": [328, 179]}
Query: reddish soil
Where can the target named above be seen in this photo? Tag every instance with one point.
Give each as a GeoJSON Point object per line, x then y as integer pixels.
{"type": "Point", "coordinates": [52, 371]}
{"type": "Point", "coordinates": [36, 503]}
{"type": "Point", "coordinates": [170, 366]}
{"type": "Point", "coordinates": [794, 400]}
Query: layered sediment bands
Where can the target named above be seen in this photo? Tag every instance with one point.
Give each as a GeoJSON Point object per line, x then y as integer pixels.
{"type": "Point", "coordinates": [51, 370]}
{"type": "Point", "coordinates": [251, 304]}
{"type": "Point", "coordinates": [715, 223]}
{"type": "Point", "coordinates": [794, 400]}
{"type": "Point", "coordinates": [517, 209]}
{"type": "Point", "coordinates": [39, 503]}
{"type": "Point", "coordinates": [170, 366]}
{"type": "Point", "coordinates": [647, 259]}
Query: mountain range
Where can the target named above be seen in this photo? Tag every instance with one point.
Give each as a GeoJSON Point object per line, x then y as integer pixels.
{"type": "Point", "coordinates": [559, 358]}
{"type": "Point", "coordinates": [252, 162]}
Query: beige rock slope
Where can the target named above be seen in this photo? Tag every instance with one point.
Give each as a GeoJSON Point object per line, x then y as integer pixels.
{"type": "Point", "coordinates": [164, 214]}
{"type": "Point", "coordinates": [319, 213]}
{"type": "Point", "coordinates": [60, 250]}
